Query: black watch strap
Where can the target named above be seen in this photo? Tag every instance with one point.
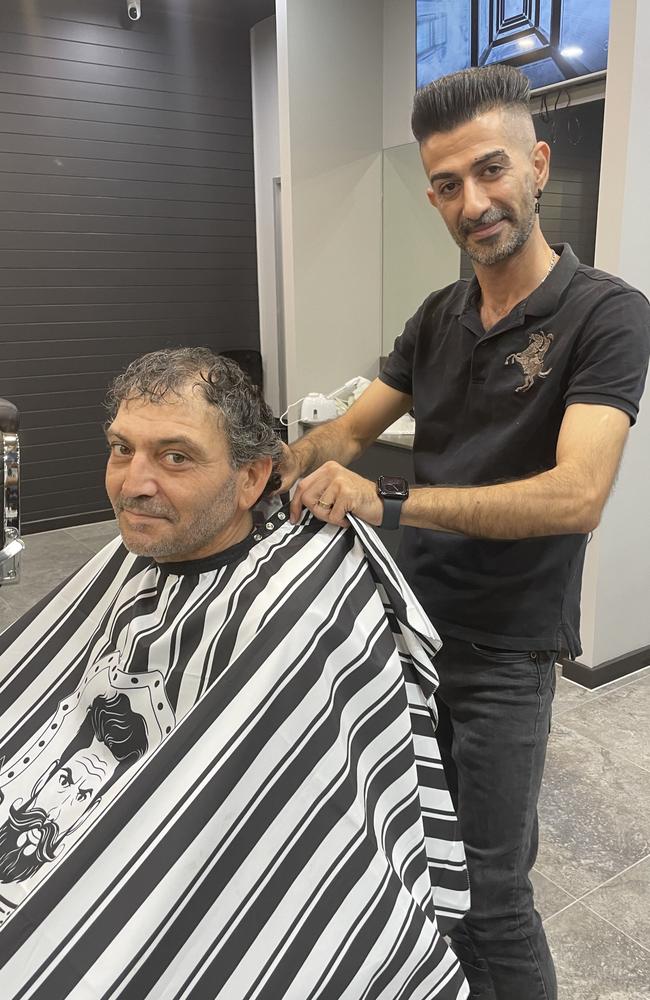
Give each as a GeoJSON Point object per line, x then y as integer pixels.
{"type": "Point", "coordinates": [392, 512]}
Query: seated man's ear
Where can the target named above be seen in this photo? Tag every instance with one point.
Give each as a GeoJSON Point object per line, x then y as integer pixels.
{"type": "Point", "coordinates": [252, 480]}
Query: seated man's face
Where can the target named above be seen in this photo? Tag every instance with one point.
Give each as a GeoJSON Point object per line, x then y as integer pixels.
{"type": "Point", "coordinates": [170, 481]}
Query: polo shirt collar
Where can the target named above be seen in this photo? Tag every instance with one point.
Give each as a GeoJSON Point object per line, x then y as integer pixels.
{"type": "Point", "coordinates": [545, 299]}
{"type": "Point", "coordinates": [466, 297]}
{"type": "Point", "coordinates": [542, 301]}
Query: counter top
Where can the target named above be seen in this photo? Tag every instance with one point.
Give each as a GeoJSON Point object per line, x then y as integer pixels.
{"type": "Point", "coordinates": [396, 440]}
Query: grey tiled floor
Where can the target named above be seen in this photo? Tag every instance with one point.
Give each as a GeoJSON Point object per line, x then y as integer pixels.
{"type": "Point", "coordinates": [592, 878]}
{"type": "Point", "coordinates": [48, 559]}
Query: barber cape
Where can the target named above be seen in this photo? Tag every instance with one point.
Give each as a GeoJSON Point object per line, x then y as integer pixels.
{"type": "Point", "coordinates": [220, 779]}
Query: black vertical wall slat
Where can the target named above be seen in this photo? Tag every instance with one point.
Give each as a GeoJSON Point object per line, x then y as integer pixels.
{"type": "Point", "coordinates": [127, 218]}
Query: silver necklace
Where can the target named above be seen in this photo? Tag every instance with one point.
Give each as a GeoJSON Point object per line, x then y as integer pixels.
{"type": "Point", "coordinates": [554, 259]}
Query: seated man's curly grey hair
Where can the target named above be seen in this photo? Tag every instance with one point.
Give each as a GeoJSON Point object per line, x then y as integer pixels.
{"type": "Point", "coordinates": [244, 417]}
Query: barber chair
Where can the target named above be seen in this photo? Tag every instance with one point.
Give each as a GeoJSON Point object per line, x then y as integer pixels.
{"type": "Point", "coordinates": [11, 544]}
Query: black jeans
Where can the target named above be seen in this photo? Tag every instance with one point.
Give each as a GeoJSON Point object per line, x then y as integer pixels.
{"type": "Point", "coordinates": [495, 715]}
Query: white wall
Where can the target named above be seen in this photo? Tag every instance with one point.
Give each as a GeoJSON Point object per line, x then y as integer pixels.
{"type": "Point", "coordinates": [617, 583]}
{"type": "Point", "coordinates": [266, 153]}
{"type": "Point", "coordinates": [330, 96]}
{"type": "Point", "coordinates": [398, 71]}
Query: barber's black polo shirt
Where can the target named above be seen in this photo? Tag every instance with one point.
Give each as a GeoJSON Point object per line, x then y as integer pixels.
{"type": "Point", "coordinates": [582, 336]}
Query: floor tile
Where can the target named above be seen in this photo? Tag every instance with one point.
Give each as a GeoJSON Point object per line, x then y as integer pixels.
{"type": "Point", "coordinates": [569, 695]}
{"type": "Point", "coordinates": [626, 902]}
{"type": "Point", "coordinates": [100, 532]}
{"type": "Point", "coordinates": [549, 898]}
{"type": "Point", "coordinates": [594, 813]}
{"type": "Point", "coordinates": [45, 543]}
{"type": "Point", "coordinates": [49, 558]}
{"type": "Point", "coordinates": [7, 618]}
{"type": "Point", "coordinates": [617, 720]}
{"type": "Point", "coordinates": [594, 961]}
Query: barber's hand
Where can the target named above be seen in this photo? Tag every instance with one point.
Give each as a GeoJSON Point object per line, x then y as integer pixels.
{"type": "Point", "coordinates": [332, 491]}
{"type": "Point", "coordinates": [289, 469]}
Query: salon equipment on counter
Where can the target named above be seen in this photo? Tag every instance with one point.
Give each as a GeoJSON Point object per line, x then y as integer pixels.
{"type": "Point", "coordinates": [317, 408]}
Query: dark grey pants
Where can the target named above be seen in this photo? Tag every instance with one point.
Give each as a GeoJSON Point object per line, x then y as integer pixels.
{"type": "Point", "coordinates": [495, 715]}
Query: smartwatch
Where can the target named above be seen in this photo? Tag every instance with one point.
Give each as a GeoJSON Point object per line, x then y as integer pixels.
{"type": "Point", "coordinates": [393, 491]}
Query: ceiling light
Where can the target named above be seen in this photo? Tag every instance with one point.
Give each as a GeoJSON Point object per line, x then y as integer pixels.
{"type": "Point", "coordinates": [526, 43]}
{"type": "Point", "coordinates": [571, 52]}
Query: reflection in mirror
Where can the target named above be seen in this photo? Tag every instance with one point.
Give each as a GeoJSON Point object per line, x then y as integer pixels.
{"type": "Point", "coordinates": [419, 255]}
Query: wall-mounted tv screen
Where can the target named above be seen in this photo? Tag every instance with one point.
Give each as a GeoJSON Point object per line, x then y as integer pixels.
{"type": "Point", "coordinates": [552, 41]}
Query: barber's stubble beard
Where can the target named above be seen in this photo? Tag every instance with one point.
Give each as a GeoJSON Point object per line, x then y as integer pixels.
{"type": "Point", "coordinates": [205, 524]}
{"type": "Point", "coordinates": [502, 245]}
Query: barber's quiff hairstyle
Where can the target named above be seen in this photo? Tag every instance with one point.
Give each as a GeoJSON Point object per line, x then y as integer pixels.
{"type": "Point", "coordinates": [458, 98]}
{"type": "Point", "coordinates": [245, 418]}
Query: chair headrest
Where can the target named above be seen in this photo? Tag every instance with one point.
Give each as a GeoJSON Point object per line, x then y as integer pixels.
{"type": "Point", "coordinates": [9, 417]}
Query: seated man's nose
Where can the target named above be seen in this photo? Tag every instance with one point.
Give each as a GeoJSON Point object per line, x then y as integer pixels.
{"type": "Point", "coordinates": [139, 480]}
{"type": "Point", "coordinates": [133, 488]}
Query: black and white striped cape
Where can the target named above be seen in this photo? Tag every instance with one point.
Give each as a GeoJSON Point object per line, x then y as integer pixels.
{"type": "Point", "coordinates": [221, 780]}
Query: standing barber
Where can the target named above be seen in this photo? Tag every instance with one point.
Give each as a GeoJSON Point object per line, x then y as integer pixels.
{"type": "Point", "coordinates": [524, 384]}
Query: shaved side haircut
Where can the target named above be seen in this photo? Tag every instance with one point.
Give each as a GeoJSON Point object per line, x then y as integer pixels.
{"type": "Point", "coordinates": [458, 98]}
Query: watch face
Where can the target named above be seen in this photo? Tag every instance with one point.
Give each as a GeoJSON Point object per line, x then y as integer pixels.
{"type": "Point", "coordinates": [393, 486]}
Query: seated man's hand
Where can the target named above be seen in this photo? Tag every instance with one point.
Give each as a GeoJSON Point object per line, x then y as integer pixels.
{"type": "Point", "coordinates": [332, 491]}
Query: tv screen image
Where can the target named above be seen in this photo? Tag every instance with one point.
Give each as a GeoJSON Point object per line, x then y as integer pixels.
{"type": "Point", "coordinates": [552, 41]}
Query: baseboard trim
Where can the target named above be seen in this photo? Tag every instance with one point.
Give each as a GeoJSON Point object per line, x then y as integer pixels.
{"type": "Point", "coordinates": [67, 521]}
{"type": "Point", "coordinates": [609, 670]}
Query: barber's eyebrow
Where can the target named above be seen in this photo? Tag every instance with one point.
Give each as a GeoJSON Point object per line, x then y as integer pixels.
{"type": "Point", "coordinates": [494, 154]}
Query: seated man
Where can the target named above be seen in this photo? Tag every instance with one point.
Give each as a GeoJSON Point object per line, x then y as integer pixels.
{"type": "Point", "coordinates": [218, 769]}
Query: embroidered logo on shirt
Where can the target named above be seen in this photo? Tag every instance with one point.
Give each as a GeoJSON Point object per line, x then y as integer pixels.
{"type": "Point", "coordinates": [531, 360]}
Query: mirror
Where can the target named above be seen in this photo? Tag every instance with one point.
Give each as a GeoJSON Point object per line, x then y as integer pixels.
{"type": "Point", "coordinates": [419, 255]}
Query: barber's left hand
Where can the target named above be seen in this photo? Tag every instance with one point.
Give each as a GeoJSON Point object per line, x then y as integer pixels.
{"type": "Point", "coordinates": [332, 491]}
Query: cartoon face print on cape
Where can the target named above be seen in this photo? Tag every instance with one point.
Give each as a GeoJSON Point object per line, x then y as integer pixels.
{"type": "Point", "coordinates": [72, 768]}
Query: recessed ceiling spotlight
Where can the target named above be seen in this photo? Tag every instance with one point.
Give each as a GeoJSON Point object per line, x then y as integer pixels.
{"type": "Point", "coordinates": [571, 52]}
{"type": "Point", "coordinates": [526, 43]}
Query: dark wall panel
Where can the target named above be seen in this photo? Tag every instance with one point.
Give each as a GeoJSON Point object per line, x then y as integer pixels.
{"type": "Point", "coordinates": [127, 217]}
